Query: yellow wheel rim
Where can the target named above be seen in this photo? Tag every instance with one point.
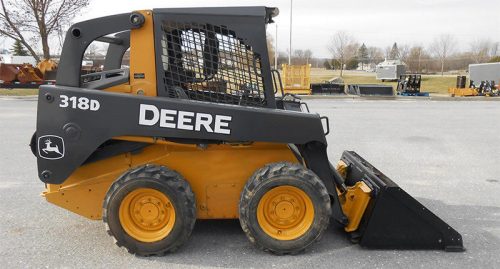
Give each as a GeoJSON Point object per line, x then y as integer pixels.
{"type": "Point", "coordinates": [285, 213]}
{"type": "Point", "coordinates": [147, 215]}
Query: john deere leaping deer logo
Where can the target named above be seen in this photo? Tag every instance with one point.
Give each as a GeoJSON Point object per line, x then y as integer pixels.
{"type": "Point", "coordinates": [50, 147]}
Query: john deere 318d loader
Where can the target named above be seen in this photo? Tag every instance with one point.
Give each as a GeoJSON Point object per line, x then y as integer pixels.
{"type": "Point", "coordinates": [198, 128]}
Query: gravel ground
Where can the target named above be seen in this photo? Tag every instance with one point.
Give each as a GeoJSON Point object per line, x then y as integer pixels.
{"type": "Point", "coordinates": [446, 154]}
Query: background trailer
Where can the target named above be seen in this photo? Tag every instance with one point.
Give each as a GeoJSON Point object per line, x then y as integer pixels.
{"type": "Point", "coordinates": [390, 70]}
{"type": "Point", "coordinates": [484, 72]}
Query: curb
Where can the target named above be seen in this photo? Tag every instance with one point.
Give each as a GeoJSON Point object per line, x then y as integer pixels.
{"type": "Point", "coordinates": [26, 97]}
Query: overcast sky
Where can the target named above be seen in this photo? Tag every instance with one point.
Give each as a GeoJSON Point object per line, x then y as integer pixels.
{"type": "Point", "coordinates": [374, 22]}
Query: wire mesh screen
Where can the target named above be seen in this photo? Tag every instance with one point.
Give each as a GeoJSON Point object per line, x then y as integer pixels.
{"type": "Point", "coordinates": [210, 63]}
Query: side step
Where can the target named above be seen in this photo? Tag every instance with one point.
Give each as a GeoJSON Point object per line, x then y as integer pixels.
{"type": "Point", "coordinates": [393, 218]}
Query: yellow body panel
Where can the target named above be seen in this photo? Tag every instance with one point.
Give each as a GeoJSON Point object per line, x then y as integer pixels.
{"type": "Point", "coordinates": [297, 91]}
{"type": "Point", "coordinates": [216, 174]}
{"type": "Point", "coordinates": [123, 88]}
{"type": "Point", "coordinates": [142, 60]}
{"type": "Point", "coordinates": [142, 57]}
{"type": "Point", "coordinates": [354, 200]}
{"type": "Point", "coordinates": [462, 92]}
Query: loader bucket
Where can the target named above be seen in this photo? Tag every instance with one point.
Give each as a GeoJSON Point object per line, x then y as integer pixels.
{"type": "Point", "coordinates": [327, 88]}
{"type": "Point", "coordinates": [393, 219]}
{"type": "Point", "coordinates": [8, 72]}
{"type": "Point", "coordinates": [370, 90]}
{"type": "Point", "coordinates": [28, 73]}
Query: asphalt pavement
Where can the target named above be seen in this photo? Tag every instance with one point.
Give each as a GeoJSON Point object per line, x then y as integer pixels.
{"type": "Point", "coordinates": [444, 153]}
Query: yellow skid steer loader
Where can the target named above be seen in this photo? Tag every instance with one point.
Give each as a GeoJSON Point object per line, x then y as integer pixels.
{"type": "Point", "coordinates": [195, 129]}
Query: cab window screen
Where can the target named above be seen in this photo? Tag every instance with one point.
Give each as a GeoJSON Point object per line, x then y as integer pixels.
{"type": "Point", "coordinates": [210, 63]}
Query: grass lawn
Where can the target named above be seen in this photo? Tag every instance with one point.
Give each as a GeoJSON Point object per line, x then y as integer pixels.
{"type": "Point", "coordinates": [430, 83]}
{"type": "Point", "coordinates": [18, 92]}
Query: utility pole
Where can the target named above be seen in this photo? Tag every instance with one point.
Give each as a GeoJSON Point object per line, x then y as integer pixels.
{"type": "Point", "coordinates": [290, 48]}
{"type": "Point", "coordinates": [419, 54]}
{"type": "Point", "coordinates": [276, 48]}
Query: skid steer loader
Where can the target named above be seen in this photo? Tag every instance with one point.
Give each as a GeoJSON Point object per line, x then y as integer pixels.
{"type": "Point", "coordinates": [196, 128]}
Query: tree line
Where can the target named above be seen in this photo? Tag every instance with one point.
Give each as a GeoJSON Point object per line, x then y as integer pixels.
{"type": "Point", "coordinates": [32, 23]}
{"type": "Point", "coordinates": [440, 56]}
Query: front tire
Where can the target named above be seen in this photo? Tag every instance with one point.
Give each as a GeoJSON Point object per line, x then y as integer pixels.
{"type": "Point", "coordinates": [150, 210]}
{"type": "Point", "coordinates": [284, 208]}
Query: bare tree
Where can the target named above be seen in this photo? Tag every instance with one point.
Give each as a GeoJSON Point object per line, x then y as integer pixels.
{"type": "Point", "coordinates": [282, 57]}
{"type": "Point", "coordinates": [351, 55]}
{"type": "Point", "coordinates": [298, 53]}
{"type": "Point", "coordinates": [495, 49]}
{"type": "Point", "coordinates": [96, 50]}
{"type": "Point", "coordinates": [340, 47]}
{"type": "Point", "coordinates": [442, 47]}
{"type": "Point", "coordinates": [387, 52]}
{"type": "Point", "coordinates": [33, 21]}
{"type": "Point", "coordinates": [308, 55]}
{"type": "Point", "coordinates": [270, 48]}
{"type": "Point", "coordinates": [404, 52]}
{"type": "Point", "coordinates": [302, 56]}
{"type": "Point", "coordinates": [414, 59]}
{"type": "Point", "coordinates": [480, 50]}
{"type": "Point", "coordinates": [375, 55]}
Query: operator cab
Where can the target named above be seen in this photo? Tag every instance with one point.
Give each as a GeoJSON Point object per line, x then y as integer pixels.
{"type": "Point", "coordinates": [199, 60]}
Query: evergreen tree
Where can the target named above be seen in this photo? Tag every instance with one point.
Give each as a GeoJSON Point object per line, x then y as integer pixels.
{"type": "Point", "coordinates": [18, 49]}
{"type": "Point", "coordinates": [394, 55]}
{"type": "Point", "coordinates": [363, 57]}
{"type": "Point", "coordinates": [352, 64]}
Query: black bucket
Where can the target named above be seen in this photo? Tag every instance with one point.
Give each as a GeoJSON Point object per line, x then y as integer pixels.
{"type": "Point", "coordinates": [327, 88]}
{"type": "Point", "coordinates": [370, 90]}
{"type": "Point", "coordinates": [461, 81]}
{"type": "Point", "coordinates": [393, 218]}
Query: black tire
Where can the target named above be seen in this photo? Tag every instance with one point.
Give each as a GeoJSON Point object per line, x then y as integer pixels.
{"type": "Point", "coordinates": [168, 182]}
{"type": "Point", "coordinates": [284, 174]}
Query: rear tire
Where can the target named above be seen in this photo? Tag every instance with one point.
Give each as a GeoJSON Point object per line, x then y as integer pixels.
{"type": "Point", "coordinates": [284, 208]}
{"type": "Point", "coordinates": [150, 210]}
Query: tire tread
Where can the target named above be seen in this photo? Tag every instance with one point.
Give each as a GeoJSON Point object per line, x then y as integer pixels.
{"type": "Point", "coordinates": [274, 170]}
{"type": "Point", "coordinates": [173, 180]}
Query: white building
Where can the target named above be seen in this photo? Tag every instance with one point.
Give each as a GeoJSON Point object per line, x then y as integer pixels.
{"type": "Point", "coordinates": [6, 57]}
